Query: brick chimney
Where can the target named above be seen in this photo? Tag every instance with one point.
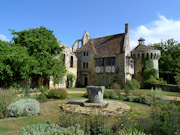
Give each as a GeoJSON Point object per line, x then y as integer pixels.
{"type": "Point", "coordinates": [126, 28]}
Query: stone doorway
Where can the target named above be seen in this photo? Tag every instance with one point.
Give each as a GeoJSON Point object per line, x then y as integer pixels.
{"type": "Point", "coordinates": [85, 80]}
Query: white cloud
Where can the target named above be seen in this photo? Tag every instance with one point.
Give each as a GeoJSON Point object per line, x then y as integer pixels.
{"type": "Point", "coordinates": [4, 38]}
{"type": "Point", "coordinates": [154, 32]}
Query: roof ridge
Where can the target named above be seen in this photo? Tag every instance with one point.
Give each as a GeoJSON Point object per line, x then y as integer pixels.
{"type": "Point", "coordinates": [108, 36]}
{"type": "Point", "coordinates": [141, 45]}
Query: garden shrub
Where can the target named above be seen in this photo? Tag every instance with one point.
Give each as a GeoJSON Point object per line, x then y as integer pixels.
{"type": "Point", "coordinates": [152, 80]}
{"type": "Point", "coordinates": [130, 98]}
{"type": "Point", "coordinates": [157, 94]}
{"type": "Point", "coordinates": [131, 85]}
{"type": "Point", "coordinates": [43, 95]}
{"type": "Point", "coordinates": [135, 84]}
{"type": "Point", "coordinates": [165, 119]}
{"type": "Point", "coordinates": [6, 98]}
{"type": "Point", "coordinates": [113, 95]}
{"type": "Point", "coordinates": [50, 129]}
{"type": "Point", "coordinates": [57, 93]}
{"type": "Point", "coordinates": [110, 95]}
{"type": "Point", "coordinates": [132, 132]}
{"type": "Point", "coordinates": [143, 99]}
{"type": "Point", "coordinates": [96, 124]}
{"type": "Point", "coordinates": [24, 107]}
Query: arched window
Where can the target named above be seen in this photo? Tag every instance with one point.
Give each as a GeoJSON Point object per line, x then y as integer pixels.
{"type": "Point", "coordinates": [138, 55]}
{"type": "Point", "coordinates": [142, 55]}
{"type": "Point", "coordinates": [71, 62]}
{"type": "Point", "coordinates": [147, 55]}
{"type": "Point", "coordinates": [151, 55]}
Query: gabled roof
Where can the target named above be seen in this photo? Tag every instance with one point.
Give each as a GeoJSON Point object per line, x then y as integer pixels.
{"type": "Point", "coordinates": [107, 46]}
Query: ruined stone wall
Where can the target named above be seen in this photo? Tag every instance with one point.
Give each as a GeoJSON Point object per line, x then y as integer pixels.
{"type": "Point", "coordinates": [75, 46]}
{"type": "Point", "coordinates": [68, 53]}
{"type": "Point", "coordinates": [85, 38]}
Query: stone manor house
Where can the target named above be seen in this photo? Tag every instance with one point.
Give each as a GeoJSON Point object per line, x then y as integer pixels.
{"type": "Point", "coordinates": [103, 60]}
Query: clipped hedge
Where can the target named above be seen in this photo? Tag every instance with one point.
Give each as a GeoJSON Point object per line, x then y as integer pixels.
{"type": "Point", "coordinates": [167, 87]}
{"type": "Point", "coordinates": [24, 107]}
{"type": "Point", "coordinates": [57, 93]}
{"type": "Point", "coordinates": [50, 129]}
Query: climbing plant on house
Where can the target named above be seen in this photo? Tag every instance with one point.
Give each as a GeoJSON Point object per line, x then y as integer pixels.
{"type": "Point", "coordinates": [70, 80]}
{"type": "Point", "coordinates": [148, 69]}
{"type": "Point", "coordinates": [149, 74]}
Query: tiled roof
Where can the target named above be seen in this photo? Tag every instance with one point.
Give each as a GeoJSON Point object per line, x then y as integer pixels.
{"type": "Point", "coordinates": [107, 46]}
{"type": "Point", "coordinates": [142, 47]}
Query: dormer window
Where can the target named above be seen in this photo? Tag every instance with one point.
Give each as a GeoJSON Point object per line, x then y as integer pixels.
{"type": "Point", "coordinates": [85, 53]}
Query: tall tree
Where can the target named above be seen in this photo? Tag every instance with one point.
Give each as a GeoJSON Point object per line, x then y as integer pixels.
{"type": "Point", "coordinates": [169, 63]}
{"type": "Point", "coordinates": [43, 48]}
{"type": "Point", "coordinates": [15, 63]}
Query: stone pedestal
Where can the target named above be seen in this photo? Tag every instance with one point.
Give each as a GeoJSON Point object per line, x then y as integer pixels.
{"type": "Point", "coordinates": [95, 93]}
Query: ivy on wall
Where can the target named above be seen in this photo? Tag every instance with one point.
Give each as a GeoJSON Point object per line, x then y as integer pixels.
{"type": "Point", "coordinates": [148, 69]}
{"type": "Point", "coordinates": [70, 80]}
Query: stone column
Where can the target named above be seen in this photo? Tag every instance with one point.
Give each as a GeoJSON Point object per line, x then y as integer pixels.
{"type": "Point", "coordinates": [95, 93]}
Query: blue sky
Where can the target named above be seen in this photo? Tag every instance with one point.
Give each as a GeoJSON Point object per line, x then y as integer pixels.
{"type": "Point", "coordinates": [152, 19]}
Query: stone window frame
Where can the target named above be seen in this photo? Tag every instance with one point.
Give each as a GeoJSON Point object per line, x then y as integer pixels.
{"type": "Point", "coordinates": [85, 53]}
{"type": "Point", "coordinates": [71, 61]}
{"type": "Point", "coordinates": [110, 61]}
{"type": "Point", "coordinates": [100, 62]}
{"type": "Point", "coordinates": [61, 82]}
{"type": "Point", "coordinates": [85, 65]}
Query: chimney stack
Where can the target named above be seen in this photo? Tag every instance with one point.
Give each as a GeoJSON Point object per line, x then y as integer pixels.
{"type": "Point", "coordinates": [126, 28]}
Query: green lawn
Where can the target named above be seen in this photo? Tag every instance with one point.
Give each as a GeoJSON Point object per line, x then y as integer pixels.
{"type": "Point", "coordinates": [49, 112]}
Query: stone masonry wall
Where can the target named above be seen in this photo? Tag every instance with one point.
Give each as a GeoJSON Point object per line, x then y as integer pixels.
{"type": "Point", "coordinates": [72, 70]}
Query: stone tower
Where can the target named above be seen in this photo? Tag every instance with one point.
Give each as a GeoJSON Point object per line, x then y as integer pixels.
{"type": "Point", "coordinates": [143, 51]}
